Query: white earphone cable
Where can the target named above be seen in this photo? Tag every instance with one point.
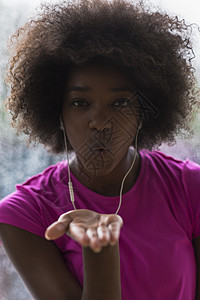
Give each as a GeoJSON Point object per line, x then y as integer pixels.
{"type": "Point", "coordinates": [132, 165]}
{"type": "Point", "coordinates": [71, 191]}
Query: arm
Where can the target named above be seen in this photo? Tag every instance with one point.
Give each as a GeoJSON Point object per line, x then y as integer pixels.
{"type": "Point", "coordinates": [45, 274]}
{"type": "Point", "coordinates": [40, 265]}
{"type": "Point", "coordinates": [102, 274]}
{"type": "Point", "coordinates": [98, 234]}
{"type": "Point", "coordinates": [196, 244]}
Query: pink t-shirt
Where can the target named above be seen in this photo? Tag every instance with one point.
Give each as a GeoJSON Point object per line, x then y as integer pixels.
{"type": "Point", "coordinates": [161, 215]}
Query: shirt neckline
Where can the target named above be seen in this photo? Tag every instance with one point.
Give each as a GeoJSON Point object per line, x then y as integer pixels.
{"type": "Point", "coordinates": [77, 185]}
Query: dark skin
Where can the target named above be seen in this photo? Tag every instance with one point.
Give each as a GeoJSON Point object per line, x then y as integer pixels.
{"type": "Point", "coordinates": [38, 260]}
{"type": "Point", "coordinates": [95, 110]}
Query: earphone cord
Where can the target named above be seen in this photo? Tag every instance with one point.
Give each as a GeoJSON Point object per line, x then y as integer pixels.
{"type": "Point", "coordinates": [122, 184]}
{"type": "Point", "coordinates": [132, 165]}
{"type": "Point", "coordinates": [71, 191]}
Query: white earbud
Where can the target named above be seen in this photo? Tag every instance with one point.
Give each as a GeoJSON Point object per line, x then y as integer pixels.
{"type": "Point", "coordinates": [140, 126]}
{"type": "Point", "coordinates": [61, 124]}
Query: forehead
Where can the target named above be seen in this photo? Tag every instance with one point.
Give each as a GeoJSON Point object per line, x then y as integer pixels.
{"type": "Point", "coordinates": [98, 74]}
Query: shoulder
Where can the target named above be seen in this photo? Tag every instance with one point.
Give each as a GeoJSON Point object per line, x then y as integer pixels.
{"type": "Point", "coordinates": [51, 175]}
{"type": "Point", "coordinates": [38, 201]}
{"type": "Point", "coordinates": [183, 173]}
{"type": "Point", "coordinates": [163, 164]}
{"type": "Point", "coordinates": [50, 181]}
{"type": "Point", "coordinates": [43, 185]}
{"type": "Point", "coordinates": [156, 157]}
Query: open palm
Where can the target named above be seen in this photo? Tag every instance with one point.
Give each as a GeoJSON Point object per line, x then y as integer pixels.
{"type": "Point", "coordinates": [88, 228]}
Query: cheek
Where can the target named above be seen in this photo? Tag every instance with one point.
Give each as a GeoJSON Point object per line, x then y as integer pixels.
{"type": "Point", "coordinates": [76, 131]}
{"type": "Point", "coordinates": [125, 125]}
{"type": "Point", "coordinates": [128, 117]}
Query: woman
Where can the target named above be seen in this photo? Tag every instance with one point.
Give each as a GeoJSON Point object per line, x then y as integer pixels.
{"type": "Point", "coordinates": [103, 80]}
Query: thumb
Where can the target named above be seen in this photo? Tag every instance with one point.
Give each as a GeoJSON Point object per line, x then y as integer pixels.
{"type": "Point", "coordinates": [57, 229]}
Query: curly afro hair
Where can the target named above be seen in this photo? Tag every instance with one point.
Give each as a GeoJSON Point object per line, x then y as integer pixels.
{"type": "Point", "coordinates": [154, 49]}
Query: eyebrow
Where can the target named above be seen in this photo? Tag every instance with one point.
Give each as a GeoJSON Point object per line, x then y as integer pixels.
{"type": "Point", "coordinates": [87, 89]}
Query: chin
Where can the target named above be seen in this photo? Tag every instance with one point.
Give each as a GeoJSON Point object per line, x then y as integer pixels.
{"type": "Point", "coordinates": [99, 170]}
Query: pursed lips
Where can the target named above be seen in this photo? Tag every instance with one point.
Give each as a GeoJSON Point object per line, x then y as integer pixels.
{"type": "Point", "coordinates": [99, 148]}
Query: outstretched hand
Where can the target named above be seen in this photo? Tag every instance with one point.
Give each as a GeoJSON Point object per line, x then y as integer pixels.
{"type": "Point", "coordinates": [88, 228]}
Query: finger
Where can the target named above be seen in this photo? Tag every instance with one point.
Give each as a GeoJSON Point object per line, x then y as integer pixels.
{"type": "Point", "coordinates": [94, 242]}
{"type": "Point", "coordinates": [103, 234]}
{"type": "Point", "coordinates": [57, 229]}
{"type": "Point", "coordinates": [113, 218]}
{"type": "Point", "coordinates": [114, 229]}
{"type": "Point", "coordinates": [78, 233]}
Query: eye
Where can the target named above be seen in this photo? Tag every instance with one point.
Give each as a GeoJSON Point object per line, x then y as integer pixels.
{"type": "Point", "coordinates": [79, 102]}
{"type": "Point", "coordinates": [122, 102]}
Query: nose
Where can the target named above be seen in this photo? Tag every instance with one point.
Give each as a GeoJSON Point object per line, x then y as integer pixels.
{"type": "Point", "coordinates": [100, 120]}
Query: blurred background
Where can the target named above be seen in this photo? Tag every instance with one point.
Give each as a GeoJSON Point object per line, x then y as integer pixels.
{"type": "Point", "coordinates": [18, 162]}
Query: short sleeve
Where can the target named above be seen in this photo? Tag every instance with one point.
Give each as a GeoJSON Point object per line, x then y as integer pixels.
{"type": "Point", "coordinates": [191, 181]}
{"type": "Point", "coordinates": [21, 209]}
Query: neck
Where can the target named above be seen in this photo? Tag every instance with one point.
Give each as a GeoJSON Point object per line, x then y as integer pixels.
{"type": "Point", "coordinates": [109, 184]}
